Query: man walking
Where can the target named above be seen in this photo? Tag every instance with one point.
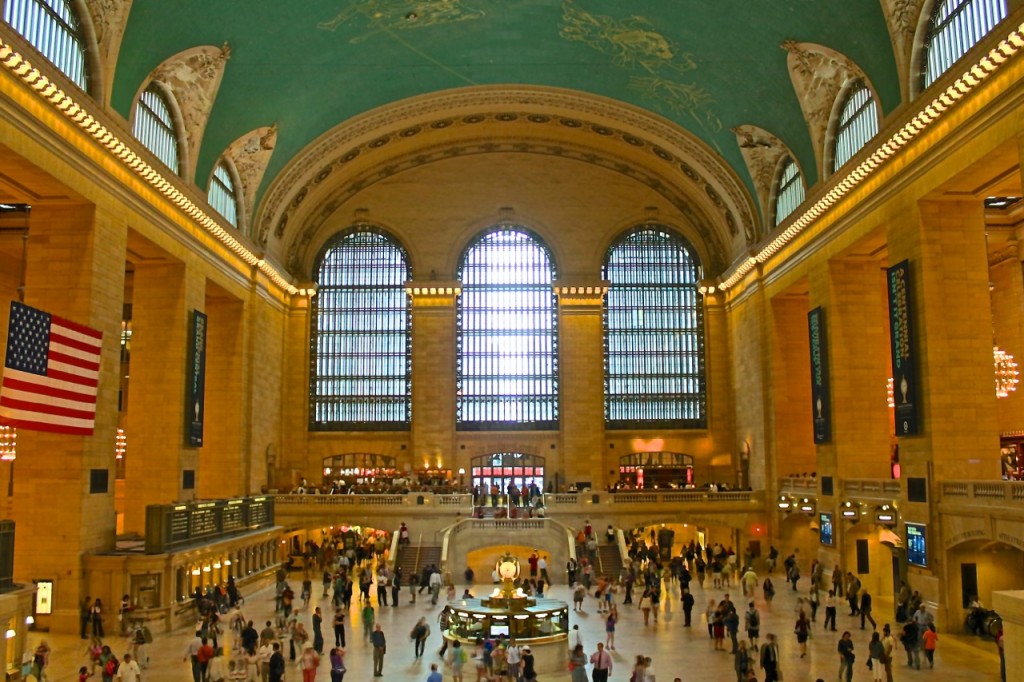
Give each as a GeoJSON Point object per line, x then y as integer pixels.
{"type": "Point", "coordinates": [602, 662]}
{"type": "Point", "coordinates": [318, 635]}
{"type": "Point", "coordinates": [379, 649]}
{"type": "Point", "coordinates": [276, 665]}
{"type": "Point", "coordinates": [687, 607]}
{"type": "Point", "coordinates": [339, 628]}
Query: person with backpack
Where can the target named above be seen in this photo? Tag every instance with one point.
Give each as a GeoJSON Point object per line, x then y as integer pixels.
{"type": "Point", "coordinates": [108, 664]}
{"type": "Point", "coordinates": [419, 635]}
{"type": "Point", "coordinates": [753, 625]}
{"type": "Point", "coordinates": [457, 660]}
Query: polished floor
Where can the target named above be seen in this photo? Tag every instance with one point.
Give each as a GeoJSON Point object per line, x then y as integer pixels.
{"type": "Point", "coordinates": [676, 651]}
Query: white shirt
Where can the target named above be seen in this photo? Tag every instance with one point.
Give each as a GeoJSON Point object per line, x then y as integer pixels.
{"type": "Point", "coordinates": [512, 655]}
{"type": "Point", "coordinates": [435, 580]}
{"type": "Point", "coordinates": [129, 671]}
{"type": "Point", "coordinates": [542, 564]}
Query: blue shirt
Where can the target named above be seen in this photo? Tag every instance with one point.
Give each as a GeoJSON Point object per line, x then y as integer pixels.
{"type": "Point", "coordinates": [434, 677]}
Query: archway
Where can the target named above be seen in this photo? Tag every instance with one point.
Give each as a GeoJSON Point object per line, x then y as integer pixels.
{"type": "Point", "coordinates": [500, 470]}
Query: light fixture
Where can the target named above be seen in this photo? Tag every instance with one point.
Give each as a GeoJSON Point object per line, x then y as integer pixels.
{"type": "Point", "coordinates": [890, 394]}
{"type": "Point", "coordinates": [785, 503]}
{"type": "Point", "coordinates": [327, 471]}
{"type": "Point", "coordinates": [206, 569]}
{"type": "Point", "coordinates": [807, 506]}
{"type": "Point", "coordinates": [216, 564]}
{"type": "Point", "coordinates": [227, 562]}
{"type": "Point", "coordinates": [8, 443]}
{"type": "Point", "coordinates": [1007, 376]}
{"type": "Point", "coordinates": [120, 444]}
{"type": "Point", "coordinates": [849, 511]}
{"type": "Point", "coordinates": [885, 515]}
{"type": "Point", "coordinates": [11, 634]}
{"type": "Point", "coordinates": [29, 620]}
{"type": "Point", "coordinates": [196, 571]}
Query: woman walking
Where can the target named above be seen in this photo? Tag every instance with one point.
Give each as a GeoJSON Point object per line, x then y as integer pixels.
{"type": "Point", "coordinates": [803, 631]}
{"type": "Point", "coordinates": [846, 657]}
{"type": "Point", "coordinates": [741, 663]}
{"type": "Point", "coordinates": [769, 590]}
{"type": "Point", "coordinates": [609, 628]}
{"type": "Point", "coordinates": [645, 606]}
{"type": "Point", "coordinates": [709, 617]}
{"type": "Point", "coordinates": [876, 650]}
{"type": "Point", "coordinates": [578, 664]}
{"type": "Point", "coordinates": [419, 635]}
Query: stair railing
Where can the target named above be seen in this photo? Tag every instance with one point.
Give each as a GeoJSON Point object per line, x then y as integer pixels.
{"type": "Point", "coordinates": [419, 550]}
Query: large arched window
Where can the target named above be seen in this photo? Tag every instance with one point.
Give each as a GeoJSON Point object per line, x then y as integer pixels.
{"type": "Point", "coordinates": [222, 195]}
{"type": "Point", "coordinates": [857, 124]}
{"type": "Point", "coordinates": [654, 332]}
{"type": "Point", "coordinates": [789, 192]}
{"type": "Point", "coordinates": [954, 28]}
{"type": "Point", "coordinates": [52, 28]}
{"type": "Point", "coordinates": [507, 333]}
{"type": "Point", "coordinates": [359, 375]}
{"type": "Point", "coordinates": [154, 127]}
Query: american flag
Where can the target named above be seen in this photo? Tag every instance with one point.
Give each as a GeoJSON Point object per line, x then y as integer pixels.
{"type": "Point", "coordinates": [51, 373]}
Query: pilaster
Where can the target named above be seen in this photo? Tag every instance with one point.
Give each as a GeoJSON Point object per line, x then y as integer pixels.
{"type": "Point", "coordinates": [433, 373]}
{"type": "Point", "coordinates": [224, 469]}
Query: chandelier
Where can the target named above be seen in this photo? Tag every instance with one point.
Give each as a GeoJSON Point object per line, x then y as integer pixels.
{"type": "Point", "coordinates": [1006, 372]}
{"type": "Point", "coordinates": [8, 443]}
{"type": "Point", "coordinates": [1004, 366]}
{"type": "Point", "coordinates": [120, 444]}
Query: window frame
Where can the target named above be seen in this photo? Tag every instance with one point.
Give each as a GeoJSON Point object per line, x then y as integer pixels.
{"type": "Point", "coordinates": [59, 31]}
{"type": "Point", "coordinates": [864, 115]}
{"type": "Point", "coordinates": [156, 122]}
{"type": "Point", "coordinates": [698, 350]}
{"type": "Point", "coordinates": [942, 17]}
{"type": "Point", "coordinates": [782, 184]}
{"type": "Point", "coordinates": [229, 192]}
{"type": "Point", "coordinates": [314, 424]}
{"type": "Point", "coordinates": [461, 353]}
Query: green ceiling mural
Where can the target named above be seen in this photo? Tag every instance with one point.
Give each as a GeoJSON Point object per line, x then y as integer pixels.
{"type": "Point", "coordinates": [709, 66]}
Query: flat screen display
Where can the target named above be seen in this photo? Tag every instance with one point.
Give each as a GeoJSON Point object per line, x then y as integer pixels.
{"type": "Point", "coordinates": [825, 522]}
{"type": "Point", "coordinates": [917, 545]}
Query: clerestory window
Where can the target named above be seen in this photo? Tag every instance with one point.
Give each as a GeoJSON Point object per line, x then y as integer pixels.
{"type": "Point", "coordinates": [52, 28]}
{"type": "Point", "coordinates": [954, 28]}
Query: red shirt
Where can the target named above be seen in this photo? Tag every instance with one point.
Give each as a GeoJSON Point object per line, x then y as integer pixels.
{"type": "Point", "coordinates": [205, 653]}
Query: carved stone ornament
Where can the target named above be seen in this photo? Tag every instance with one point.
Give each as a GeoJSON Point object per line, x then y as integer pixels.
{"type": "Point", "coordinates": [194, 77]}
{"type": "Point", "coordinates": [902, 17]}
{"type": "Point", "coordinates": [762, 152]}
{"type": "Point", "coordinates": [250, 155]}
{"type": "Point", "coordinates": [109, 18]}
{"type": "Point", "coordinates": [432, 114]}
{"type": "Point", "coordinates": [818, 74]}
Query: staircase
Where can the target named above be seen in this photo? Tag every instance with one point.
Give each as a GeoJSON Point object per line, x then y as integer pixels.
{"type": "Point", "coordinates": [609, 561]}
{"type": "Point", "coordinates": [412, 558]}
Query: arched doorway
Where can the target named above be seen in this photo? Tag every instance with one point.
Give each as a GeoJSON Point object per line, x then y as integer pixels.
{"type": "Point", "coordinates": [655, 470]}
{"type": "Point", "coordinates": [502, 469]}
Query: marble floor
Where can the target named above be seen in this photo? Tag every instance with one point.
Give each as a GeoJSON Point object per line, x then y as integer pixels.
{"type": "Point", "coordinates": [676, 651]}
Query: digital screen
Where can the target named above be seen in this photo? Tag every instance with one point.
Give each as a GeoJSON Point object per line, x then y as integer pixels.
{"type": "Point", "coordinates": [825, 521]}
{"type": "Point", "coordinates": [917, 545]}
{"type": "Point", "coordinates": [499, 630]}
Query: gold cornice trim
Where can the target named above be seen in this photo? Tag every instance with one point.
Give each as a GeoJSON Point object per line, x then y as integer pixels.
{"type": "Point", "coordinates": [927, 116]}
{"type": "Point", "coordinates": [80, 115]}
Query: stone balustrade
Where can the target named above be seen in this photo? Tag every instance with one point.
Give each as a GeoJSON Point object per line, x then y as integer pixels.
{"type": "Point", "coordinates": [983, 492]}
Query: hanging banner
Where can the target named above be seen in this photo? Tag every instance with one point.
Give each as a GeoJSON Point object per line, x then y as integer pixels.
{"type": "Point", "coordinates": [901, 337]}
{"type": "Point", "coordinates": [820, 404]}
{"type": "Point", "coordinates": [196, 381]}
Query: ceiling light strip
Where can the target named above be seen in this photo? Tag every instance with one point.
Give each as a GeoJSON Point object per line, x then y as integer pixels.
{"type": "Point", "coordinates": [49, 91]}
{"type": "Point", "coordinates": [928, 115]}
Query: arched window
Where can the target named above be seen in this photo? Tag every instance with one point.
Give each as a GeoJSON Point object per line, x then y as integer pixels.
{"type": "Point", "coordinates": [954, 28]}
{"type": "Point", "coordinates": [507, 333]}
{"type": "Point", "coordinates": [222, 194]}
{"type": "Point", "coordinates": [858, 123]}
{"type": "Point", "coordinates": [52, 28]}
{"type": "Point", "coordinates": [654, 332]}
{"type": "Point", "coordinates": [359, 377]}
{"type": "Point", "coordinates": [789, 193]}
{"type": "Point", "coordinates": [154, 127]}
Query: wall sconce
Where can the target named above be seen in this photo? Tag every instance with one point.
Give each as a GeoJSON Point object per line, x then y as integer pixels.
{"type": "Point", "coordinates": [227, 562]}
{"type": "Point", "coordinates": [206, 569]}
{"type": "Point", "coordinates": [885, 515]}
{"type": "Point", "coordinates": [849, 511]}
{"type": "Point", "coordinates": [785, 503]}
{"type": "Point", "coordinates": [8, 443]}
{"type": "Point", "coordinates": [11, 634]}
{"type": "Point", "coordinates": [807, 506]}
{"type": "Point", "coordinates": [196, 571]}
{"type": "Point", "coordinates": [29, 620]}
{"type": "Point", "coordinates": [216, 564]}
{"type": "Point", "coordinates": [120, 444]}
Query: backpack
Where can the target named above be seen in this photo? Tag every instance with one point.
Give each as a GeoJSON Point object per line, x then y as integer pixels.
{"type": "Point", "coordinates": [110, 669]}
{"type": "Point", "coordinates": [755, 620]}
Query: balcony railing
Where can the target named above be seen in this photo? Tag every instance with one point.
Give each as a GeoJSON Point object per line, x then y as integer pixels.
{"type": "Point", "coordinates": [871, 487]}
{"type": "Point", "coordinates": [983, 492]}
{"type": "Point", "coordinates": [798, 484]}
{"type": "Point", "coordinates": [651, 497]}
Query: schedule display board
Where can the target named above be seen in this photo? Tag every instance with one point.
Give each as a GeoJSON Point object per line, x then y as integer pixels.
{"type": "Point", "coordinates": [173, 526]}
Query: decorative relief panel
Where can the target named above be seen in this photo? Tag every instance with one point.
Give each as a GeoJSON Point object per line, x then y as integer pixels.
{"type": "Point", "coordinates": [671, 144]}
{"type": "Point", "coordinates": [301, 245]}
{"type": "Point", "coordinates": [250, 155]}
{"type": "Point", "coordinates": [818, 74]}
{"type": "Point", "coordinates": [109, 18]}
{"type": "Point", "coordinates": [194, 77]}
{"type": "Point", "coordinates": [902, 17]}
{"type": "Point", "coordinates": [762, 152]}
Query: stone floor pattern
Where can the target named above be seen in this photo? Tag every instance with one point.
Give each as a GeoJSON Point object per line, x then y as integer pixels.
{"type": "Point", "coordinates": [676, 651]}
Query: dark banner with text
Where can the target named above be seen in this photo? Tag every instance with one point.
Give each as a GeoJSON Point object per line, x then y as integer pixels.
{"type": "Point", "coordinates": [821, 406]}
{"type": "Point", "coordinates": [901, 337]}
{"type": "Point", "coordinates": [195, 402]}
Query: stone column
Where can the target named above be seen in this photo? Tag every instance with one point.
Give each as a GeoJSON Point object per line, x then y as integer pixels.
{"type": "Point", "coordinates": [164, 295]}
{"type": "Point", "coordinates": [851, 292]}
{"type": "Point", "coordinates": [75, 270]}
{"type": "Point", "coordinates": [952, 315]}
{"type": "Point", "coordinates": [433, 376]}
{"type": "Point", "coordinates": [289, 458]}
{"type": "Point", "coordinates": [581, 372]}
{"type": "Point", "coordinates": [224, 469]}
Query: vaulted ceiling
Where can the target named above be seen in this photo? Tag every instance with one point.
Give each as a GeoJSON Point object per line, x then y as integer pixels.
{"type": "Point", "coordinates": [309, 66]}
